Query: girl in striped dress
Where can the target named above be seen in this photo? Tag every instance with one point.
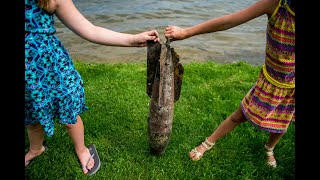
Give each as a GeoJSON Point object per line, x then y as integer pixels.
{"type": "Point", "coordinates": [270, 103]}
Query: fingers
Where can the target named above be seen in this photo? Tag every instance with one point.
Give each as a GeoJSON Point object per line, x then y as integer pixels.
{"type": "Point", "coordinates": [168, 31]}
{"type": "Point", "coordinates": [169, 28]}
{"type": "Point", "coordinates": [173, 33]}
{"type": "Point", "coordinates": [153, 35]}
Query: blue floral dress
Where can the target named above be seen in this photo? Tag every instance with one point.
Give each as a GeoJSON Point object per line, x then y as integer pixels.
{"type": "Point", "coordinates": [53, 87]}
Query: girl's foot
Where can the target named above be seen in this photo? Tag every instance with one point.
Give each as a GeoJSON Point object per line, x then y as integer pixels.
{"type": "Point", "coordinates": [31, 155]}
{"type": "Point", "coordinates": [87, 162]}
{"type": "Point", "coordinates": [196, 153]}
{"type": "Point", "coordinates": [271, 160]}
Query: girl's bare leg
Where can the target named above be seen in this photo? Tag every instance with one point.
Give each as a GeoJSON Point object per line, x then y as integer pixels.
{"type": "Point", "coordinates": [272, 142]}
{"type": "Point", "coordinates": [36, 137]}
{"type": "Point", "coordinates": [76, 132]}
{"type": "Point", "coordinates": [235, 119]}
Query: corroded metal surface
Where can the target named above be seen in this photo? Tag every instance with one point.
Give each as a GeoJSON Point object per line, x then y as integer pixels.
{"type": "Point", "coordinates": [164, 81]}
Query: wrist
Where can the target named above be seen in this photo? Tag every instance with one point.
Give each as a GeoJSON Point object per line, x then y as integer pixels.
{"type": "Point", "coordinates": [187, 33]}
{"type": "Point", "coordinates": [131, 40]}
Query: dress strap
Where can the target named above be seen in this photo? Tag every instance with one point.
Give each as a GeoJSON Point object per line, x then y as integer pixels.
{"type": "Point", "coordinates": [288, 2]}
{"type": "Point", "coordinates": [276, 10]}
{"type": "Point", "coordinates": [286, 5]}
{"type": "Point", "coordinates": [283, 2]}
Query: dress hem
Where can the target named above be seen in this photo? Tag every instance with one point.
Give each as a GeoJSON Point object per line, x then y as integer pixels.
{"type": "Point", "coordinates": [257, 126]}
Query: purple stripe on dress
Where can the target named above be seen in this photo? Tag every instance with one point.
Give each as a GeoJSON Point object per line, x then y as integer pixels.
{"type": "Point", "coordinates": [282, 107]}
{"type": "Point", "coordinates": [279, 120]}
{"type": "Point", "coordinates": [285, 15]}
{"type": "Point", "coordinates": [261, 91]}
{"type": "Point", "coordinates": [267, 129]}
{"type": "Point", "coordinates": [281, 31]}
{"type": "Point", "coordinates": [268, 94]}
{"type": "Point", "coordinates": [262, 104]}
{"type": "Point", "coordinates": [269, 119]}
{"type": "Point", "coordinates": [259, 127]}
{"type": "Point", "coordinates": [288, 76]}
{"type": "Point", "coordinates": [283, 47]}
{"type": "Point", "coordinates": [270, 107]}
{"type": "Point", "coordinates": [273, 60]}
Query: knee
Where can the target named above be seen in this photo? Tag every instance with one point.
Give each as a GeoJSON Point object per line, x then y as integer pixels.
{"type": "Point", "coordinates": [77, 123]}
{"type": "Point", "coordinates": [68, 126]}
{"type": "Point", "coordinates": [237, 117]}
{"type": "Point", "coordinates": [35, 127]}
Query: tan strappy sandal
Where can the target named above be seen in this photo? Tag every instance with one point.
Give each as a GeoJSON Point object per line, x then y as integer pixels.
{"type": "Point", "coordinates": [269, 153]}
{"type": "Point", "coordinates": [197, 155]}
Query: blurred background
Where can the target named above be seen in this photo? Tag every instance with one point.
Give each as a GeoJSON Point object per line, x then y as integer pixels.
{"type": "Point", "coordinates": [245, 42]}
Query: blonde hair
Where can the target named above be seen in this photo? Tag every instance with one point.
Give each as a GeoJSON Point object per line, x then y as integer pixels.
{"type": "Point", "coordinates": [44, 4]}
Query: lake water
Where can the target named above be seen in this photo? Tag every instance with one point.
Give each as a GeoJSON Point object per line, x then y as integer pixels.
{"type": "Point", "coordinates": [242, 43]}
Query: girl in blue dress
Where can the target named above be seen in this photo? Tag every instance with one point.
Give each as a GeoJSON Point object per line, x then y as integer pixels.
{"type": "Point", "coordinates": [53, 87]}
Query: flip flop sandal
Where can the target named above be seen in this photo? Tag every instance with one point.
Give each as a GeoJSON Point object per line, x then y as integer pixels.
{"type": "Point", "coordinates": [95, 156]}
{"type": "Point", "coordinates": [30, 160]}
{"type": "Point", "coordinates": [269, 153]}
{"type": "Point", "coordinates": [206, 144]}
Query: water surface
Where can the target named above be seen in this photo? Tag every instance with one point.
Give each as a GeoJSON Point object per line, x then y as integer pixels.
{"type": "Point", "coordinates": [245, 42]}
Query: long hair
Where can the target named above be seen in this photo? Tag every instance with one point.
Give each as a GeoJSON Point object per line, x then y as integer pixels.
{"type": "Point", "coordinates": [44, 4]}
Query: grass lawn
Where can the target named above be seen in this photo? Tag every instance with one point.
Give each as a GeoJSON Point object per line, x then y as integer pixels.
{"type": "Point", "coordinates": [116, 123]}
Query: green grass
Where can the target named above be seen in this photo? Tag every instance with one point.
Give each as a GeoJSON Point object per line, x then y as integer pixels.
{"type": "Point", "coordinates": [116, 123]}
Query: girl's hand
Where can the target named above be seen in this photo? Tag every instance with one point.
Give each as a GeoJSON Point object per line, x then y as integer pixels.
{"type": "Point", "coordinates": [175, 33]}
{"type": "Point", "coordinates": [140, 40]}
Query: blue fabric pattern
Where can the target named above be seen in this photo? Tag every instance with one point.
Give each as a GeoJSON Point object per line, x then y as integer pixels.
{"type": "Point", "coordinates": [53, 87]}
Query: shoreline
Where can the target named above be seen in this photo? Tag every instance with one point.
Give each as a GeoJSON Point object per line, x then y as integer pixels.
{"type": "Point", "coordinates": [111, 55]}
{"type": "Point", "coordinates": [228, 47]}
{"type": "Point", "coordinates": [82, 50]}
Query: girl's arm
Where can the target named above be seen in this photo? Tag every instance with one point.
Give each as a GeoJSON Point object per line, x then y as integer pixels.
{"type": "Point", "coordinates": [69, 15]}
{"type": "Point", "coordinates": [224, 22]}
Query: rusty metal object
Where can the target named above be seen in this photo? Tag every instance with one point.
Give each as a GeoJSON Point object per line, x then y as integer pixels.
{"type": "Point", "coordinates": [164, 81]}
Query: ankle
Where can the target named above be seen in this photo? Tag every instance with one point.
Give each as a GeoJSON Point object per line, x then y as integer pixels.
{"type": "Point", "coordinates": [210, 141]}
{"type": "Point", "coordinates": [268, 148]}
{"type": "Point", "coordinates": [36, 150]}
{"type": "Point", "coordinates": [206, 145]}
{"type": "Point", "coordinates": [81, 149]}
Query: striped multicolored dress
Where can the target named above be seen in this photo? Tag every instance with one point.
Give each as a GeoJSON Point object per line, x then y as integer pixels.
{"type": "Point", "coordinates": [270, 104]}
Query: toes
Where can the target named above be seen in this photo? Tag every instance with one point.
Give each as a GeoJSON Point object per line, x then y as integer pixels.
{"type": "Point", "coordinates": [87, 162]}
{"type": "Point", "coordinates": [195, 158]}
{"type": "Point", "coordinates": [90, 164]}
{"type": "Point", "coordinates": [192, 155]}
{"type": "Point", "coordinates": [26, 163]}
{"type": "Point", "coordinates": [32, 155]}
{"type": "Point", "coordinates": [84, 169]}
